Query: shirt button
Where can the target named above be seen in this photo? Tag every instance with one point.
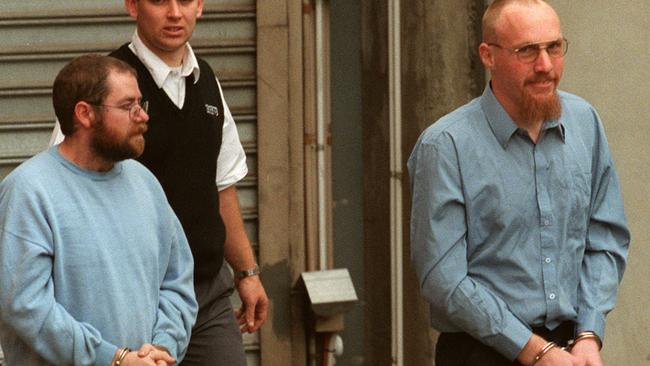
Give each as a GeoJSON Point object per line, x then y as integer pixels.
{"type": "Point", "coordinates": [547, 260]}
{"type": "Point", "coordinates": [551, 296]}
{"type": "Point", "coordinates": [547, 222]}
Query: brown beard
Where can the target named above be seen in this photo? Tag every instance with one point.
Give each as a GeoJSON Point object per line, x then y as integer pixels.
{"type": "Point", "coordinates": [541, 108]}
{"type": "Point", "coordinates": [105, 144]}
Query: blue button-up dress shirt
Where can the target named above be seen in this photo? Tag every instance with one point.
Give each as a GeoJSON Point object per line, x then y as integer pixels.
{"type": "Point", "coordinates": [507, 234]}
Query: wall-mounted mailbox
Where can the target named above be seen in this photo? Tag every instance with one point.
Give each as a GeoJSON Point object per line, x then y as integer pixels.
{"type": "Point", "coordinates": [330, 294]}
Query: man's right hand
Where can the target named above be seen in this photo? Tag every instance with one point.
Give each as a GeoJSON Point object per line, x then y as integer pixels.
{"type": "Point", "coordinates": [555, 357]}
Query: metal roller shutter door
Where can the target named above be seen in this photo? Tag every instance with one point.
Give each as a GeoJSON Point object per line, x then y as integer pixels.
{"type": "Point", "coordinates": [39, 37]}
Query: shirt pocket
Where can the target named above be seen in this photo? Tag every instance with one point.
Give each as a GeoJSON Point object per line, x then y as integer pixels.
{"type": "Point", "coordinates": [579, 193]}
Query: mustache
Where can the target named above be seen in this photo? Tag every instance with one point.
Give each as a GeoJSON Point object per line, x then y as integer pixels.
{"type": "Point", "coordinates": [542, 78]}
{"type": "Point", "coordinates": [141, 129]}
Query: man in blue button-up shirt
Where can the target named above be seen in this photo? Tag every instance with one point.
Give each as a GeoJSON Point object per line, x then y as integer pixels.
{"type": "Point", "coordinates": [518, 232]}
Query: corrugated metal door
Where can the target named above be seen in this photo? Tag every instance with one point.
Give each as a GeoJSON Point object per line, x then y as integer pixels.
{"type": "Point", "coordinates": [39, 37]}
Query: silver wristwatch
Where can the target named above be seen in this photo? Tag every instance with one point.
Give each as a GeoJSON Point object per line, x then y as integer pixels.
{"type": "Point", "coordinates": [248, 272]}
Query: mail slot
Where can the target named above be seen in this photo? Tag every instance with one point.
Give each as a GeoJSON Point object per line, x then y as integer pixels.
{"type": "Point", "coordinates": [330, 294]}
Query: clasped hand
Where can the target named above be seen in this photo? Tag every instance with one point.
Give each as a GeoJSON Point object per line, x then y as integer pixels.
{"type": "Point", "coordinates": [584, 353]}
{"type": "Point", "coordinates": [148, 355]}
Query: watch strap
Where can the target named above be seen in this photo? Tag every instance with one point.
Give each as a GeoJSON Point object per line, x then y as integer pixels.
{"type": "Point", "coordinates": [248, 272]}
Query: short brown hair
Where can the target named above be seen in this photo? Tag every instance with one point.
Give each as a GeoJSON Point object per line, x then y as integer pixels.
{"type": "Point", "coordinates": [83, 79]}
{"type": "Point", "coordinates": [491, 15]}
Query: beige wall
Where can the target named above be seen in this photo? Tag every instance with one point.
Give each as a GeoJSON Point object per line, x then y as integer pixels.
{"type": "Point", "coordinates": [608, 64]}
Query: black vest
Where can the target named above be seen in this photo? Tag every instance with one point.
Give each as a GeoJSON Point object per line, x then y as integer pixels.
{"type": "Point", "coordinates": [181, 149]}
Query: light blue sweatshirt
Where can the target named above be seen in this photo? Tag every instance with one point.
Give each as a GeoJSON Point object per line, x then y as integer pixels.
{"type": "Point", "coordinates": [90, 262]}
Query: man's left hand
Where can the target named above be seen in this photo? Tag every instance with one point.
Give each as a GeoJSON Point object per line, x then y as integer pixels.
{"type": "Point", "coordinates": [255, 303]}
{"type": "Point", "coordinates": [587, 352]}
{"type": "Point", "coordinates": [157, 354]}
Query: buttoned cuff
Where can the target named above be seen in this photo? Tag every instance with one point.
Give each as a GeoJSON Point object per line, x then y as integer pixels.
{"type": "Point", "coordinates": [591, 320]}
{"type": "Point", "coordinates": [511, 340]}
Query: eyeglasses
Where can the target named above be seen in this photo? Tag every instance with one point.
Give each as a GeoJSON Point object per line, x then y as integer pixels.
{"type": "Point", "coordinates": [529, 53]}
{"type": "Point", "coordinates": [133, 109]}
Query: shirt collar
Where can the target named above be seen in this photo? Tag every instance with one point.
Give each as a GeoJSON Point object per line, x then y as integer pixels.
{"type": "Point", "coordinates": [556, 125]}
{"type": "Point", "coordinates": [502, 125]}
{"type": "Point", "coordinates": [158, 69]}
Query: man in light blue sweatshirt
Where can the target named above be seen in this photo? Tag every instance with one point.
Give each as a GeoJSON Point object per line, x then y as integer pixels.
{"type": "Point", "coordinates": [93, 261]}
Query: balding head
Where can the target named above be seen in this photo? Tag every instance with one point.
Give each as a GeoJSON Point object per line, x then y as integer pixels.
{"type": "Point", "coordinates": [492, 16]}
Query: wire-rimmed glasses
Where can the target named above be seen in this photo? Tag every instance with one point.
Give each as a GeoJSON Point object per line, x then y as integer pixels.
{"type": "Point", "coordinates": [528, 53]}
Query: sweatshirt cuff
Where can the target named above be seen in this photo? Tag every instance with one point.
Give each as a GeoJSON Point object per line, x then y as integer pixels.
{"type": "Point", "coordinates": [163, 339]}
{"type": "Point", "coordinates": [104, 353]}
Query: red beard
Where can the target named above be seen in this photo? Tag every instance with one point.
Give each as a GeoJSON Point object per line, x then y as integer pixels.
{"type": "Point", "coordinates": [541, 107]}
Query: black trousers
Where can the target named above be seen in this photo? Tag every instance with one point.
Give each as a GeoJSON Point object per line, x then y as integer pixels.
{"type": "Point", "coordinates": [460, 349]}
